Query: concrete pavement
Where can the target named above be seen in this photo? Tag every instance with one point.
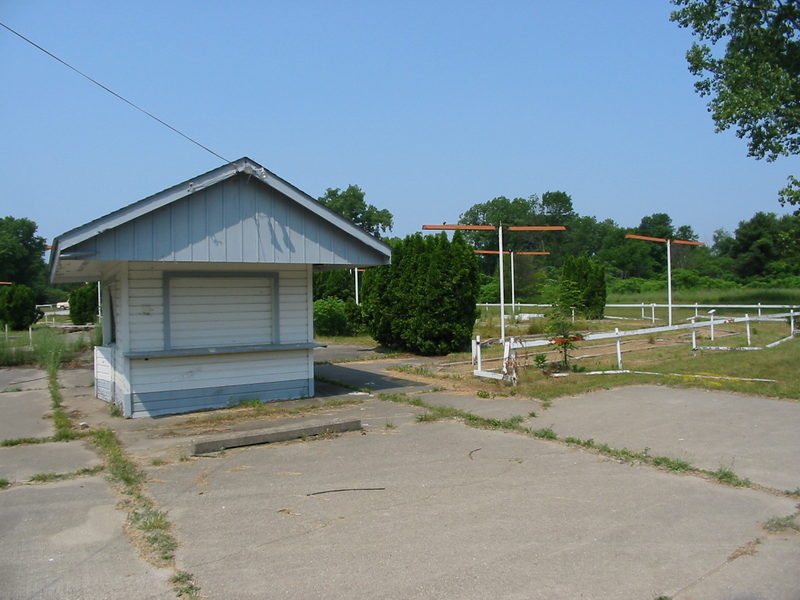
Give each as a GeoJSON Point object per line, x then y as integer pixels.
{"type": "Point", "coordinates": [420, 510]}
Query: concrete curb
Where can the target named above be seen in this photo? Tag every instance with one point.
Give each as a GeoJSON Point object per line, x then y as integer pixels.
{"type": "Point", "coordinates": [272, 435]}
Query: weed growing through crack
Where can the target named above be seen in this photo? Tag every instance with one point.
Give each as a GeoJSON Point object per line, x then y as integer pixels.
{"type": "Point", "coordinates": [390, 425]}
{"type": "Point", "coordinates": [25, 441]}
{"type": "Point", "coordinates": [728, 477]}
{"type": "Point", "coordinates": [673, 464]}
{"type": "Point", "coordinates": [86, 471]}
{"type": "Point", "coordinates": [777, 524]}
{"type": "Point", "coordinates": [183, 585]}
{"type": "Point", "coordinates": [4, 483]}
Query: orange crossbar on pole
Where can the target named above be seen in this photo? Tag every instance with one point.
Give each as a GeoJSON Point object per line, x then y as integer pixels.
{"type": "Point", "coordinates": [537, 228]}
{"type": "Point", "coordinates": [663, 240]}
{"type": "Point", "coordinates": [510, 252]}
{"type": "Point", "coordinates": [631, 236]}
{"type": "Point", "coordinates": [470, 227]}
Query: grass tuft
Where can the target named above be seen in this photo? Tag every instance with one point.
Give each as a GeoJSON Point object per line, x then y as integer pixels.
{"type": "Point", "coordinates": [728, 477]}
{"type": "Point", "coordinates": [777, 524]}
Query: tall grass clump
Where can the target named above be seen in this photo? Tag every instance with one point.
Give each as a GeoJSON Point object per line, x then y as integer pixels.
{"type": "Point", "coordinates": [15, 352]}
{"type": "Point", "coordinates": [48, 349]}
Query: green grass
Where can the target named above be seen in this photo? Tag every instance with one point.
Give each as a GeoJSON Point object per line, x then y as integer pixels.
{"type": "Point", "coordinates": [728, 477]}
{"type": "Point", "coordinates": [777, 363]}
{"type": "Point", "coordinates": [184, 586]}
{"type": "Point", "coordinates": [4, 483]}
{"type": "Point", "coordinates": [777, 524]}
{"type": "Point", "coordinates": [84, 472]}
{"type": "Point", "coordinates": [672, 464]}
{"type": "Point", "coordinates": [25, 441]}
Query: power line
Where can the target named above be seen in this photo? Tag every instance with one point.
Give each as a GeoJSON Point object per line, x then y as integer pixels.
{"type": "Point", "coordinates": [113, 93]}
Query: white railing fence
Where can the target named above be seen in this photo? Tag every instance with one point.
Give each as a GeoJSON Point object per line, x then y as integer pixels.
{"type": "Point", "coordinates": [508, 369]}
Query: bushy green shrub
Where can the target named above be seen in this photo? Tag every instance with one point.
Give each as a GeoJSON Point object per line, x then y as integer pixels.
{"type": "Point", "coordinates": [424, 302]}
{"type": "Point", "coordinates": [83, 304]}
{"type": "Point", "coordinates": [330, 317]}
{"type": "Point", "coordinates": [18, 307]}
{"type": "Point", "coordinates": [589, 280]}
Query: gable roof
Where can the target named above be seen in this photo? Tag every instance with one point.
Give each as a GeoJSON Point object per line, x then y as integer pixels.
{"type": "Point", "coordinates": [239, 212]}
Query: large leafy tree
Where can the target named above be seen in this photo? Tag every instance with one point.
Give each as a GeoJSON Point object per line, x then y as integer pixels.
{"type": "Point", "coordinates": [21, 252]}
{"type": "Point", "coordinates": [351, 204]}
{"type": "Point", "coordinates": [748, 63]}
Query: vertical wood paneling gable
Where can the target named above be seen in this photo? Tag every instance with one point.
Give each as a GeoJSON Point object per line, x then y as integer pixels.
{"type": "Point", "coordinates": [233, 222]}
{"type": "Point", "coordinates": [238, 220]}
{"type": "Point", "coordinates": [198, 238]}
{"type": "Point", "coordinates": [179, 221]}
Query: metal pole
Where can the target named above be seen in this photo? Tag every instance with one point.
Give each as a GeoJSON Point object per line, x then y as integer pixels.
{"type": "Point", "coordinates": [653, 312]}
{"type": "Point", "coordinates": [478, 343]}
{"type": "Point", "coordinates": [712, 328]}
{"type": "Point", "coordinates": [356, 272]}
{"type": "Point", "coordinates": [669, 282]}
{"type": "Point", "coordinates": [694, 335]}
{"type": "Point", "coordinates": [99, 302]}
{"type": "Point", "coordinates": [747, 325]}
{"type": "Point", "coordinates": [619, 349]}
{"type": "Point", "coordinates": [513, 290]}
{"type": "Point", "coordinates": [502, 284]}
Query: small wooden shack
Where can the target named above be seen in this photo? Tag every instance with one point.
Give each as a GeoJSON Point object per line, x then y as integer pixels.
{"type": "Point", "coordinates": [207, 289]}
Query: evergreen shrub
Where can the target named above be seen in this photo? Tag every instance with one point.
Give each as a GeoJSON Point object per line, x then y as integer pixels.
{"type": "Point", "coordinates": [18, 307]}
{"type": "Point", "coordinates": [424, 301]}
{"type": "Point", "coordinates": [83, 304]}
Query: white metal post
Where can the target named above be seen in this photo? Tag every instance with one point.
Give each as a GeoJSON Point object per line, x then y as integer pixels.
{"type": "Point", "coordinates": [30, 335]}
{"type": "Point", "coordinates": [694, 335]}
{"type": "Point", "coordinates": [642, 311]}
{"type": "Point", "coordinates": [99, 302]}
{"type": "Point", "coordinates": [759, 309]}
{"type": "Point", "coordinates": [502, 284]}
{"type": "Point", "coordinates": [653, 312]}
{"type": "Point", "coordinates": [712, 328]}
{"type": "Point", "coordinates": [747, 327]}
{"type": "Point", "coordinates": [478, 353]}
{"type": "Point", "coordinates": [513, 290]}
{"type": "Point", "coordinates": [669, 282]}
{"type": "Point", "coordinates": [619, 349]}
{"type": "Point", "coordinates": [696, 313]}
{"type": "Point", "coordinates": [356, 272]}
{"type": "Point", "coordinates": [791, 322]}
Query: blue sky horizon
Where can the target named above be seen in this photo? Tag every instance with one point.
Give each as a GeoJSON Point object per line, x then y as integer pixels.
{"type": "Point", "coordinates": [430, 107]}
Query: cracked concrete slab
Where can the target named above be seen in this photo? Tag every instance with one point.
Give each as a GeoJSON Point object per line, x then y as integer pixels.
{"type": "Point", "coordinates": [755, 437]}
{"type": "Point", "coordinates": [20, 463]}
{"type": "Point", "coordinates": [457, 513]}
{"type": "Point", "coordinates": [65, 540]}
{"type": "Point", "coordinates": [25, 414]}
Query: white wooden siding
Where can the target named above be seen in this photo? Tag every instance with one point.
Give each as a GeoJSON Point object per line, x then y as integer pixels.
{"type": "Point", "coordinates": [104, 372]}
{"type": "Point", "coordinates": [181, 372]}
{"type": "Point", "coordinates": [220, 311]}
{"type": "Point", "coordinates": [295, 297]}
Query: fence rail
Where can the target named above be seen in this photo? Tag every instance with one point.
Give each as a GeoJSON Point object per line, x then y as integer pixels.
{"type": "Point", "coordinates": [511, 345]}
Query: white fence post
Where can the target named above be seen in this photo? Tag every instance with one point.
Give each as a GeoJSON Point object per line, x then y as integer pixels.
{"type": "Point", "coordinates": [573, 313]}
{"type": "Point", "coordinates": [791, 322]}
{"type": "Point", "coordinates": [694, 335]}
{"type": "Point", "coordinates": [747, 327]}
{"type": "Point", "coordinates": [653, 312]}
{"type": "Point", "coordinates": [712, 328]}
{"type": "Point", "coordinates": [695, 309]}
{"type": "Point", "coordinates": [619, 349]}
{"type": "Point", "coordinates": [30, 335]}
{"type": "Point", "coordinates": [642, 311]}
{"type": "Point", "coordinates": [478, 344]}
{"type": "Point", "coordinates": [759, 309]}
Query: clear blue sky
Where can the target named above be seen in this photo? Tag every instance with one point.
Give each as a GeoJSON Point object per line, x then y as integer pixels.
{"type": "Point", "coordinates": [429, 106]}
